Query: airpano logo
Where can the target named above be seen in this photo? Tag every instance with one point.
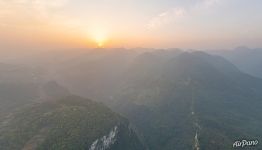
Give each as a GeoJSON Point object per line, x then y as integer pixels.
{"type": "Point", "coordinates": [245, 143]}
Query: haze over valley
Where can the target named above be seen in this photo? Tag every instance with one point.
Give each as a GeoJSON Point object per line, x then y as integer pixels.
{"type": "Point", "coordinates": [130, 75]}
{"type": "Point", "coordinates": [172, 99]}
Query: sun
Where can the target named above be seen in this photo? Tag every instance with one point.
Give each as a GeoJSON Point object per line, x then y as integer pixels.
{"type": "Point", "coordinates": [100, 40]}
{"type": "Point", "coordinates": [99, 36]}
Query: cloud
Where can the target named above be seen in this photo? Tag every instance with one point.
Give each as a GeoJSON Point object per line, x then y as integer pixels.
{"type": "Point", "coordinates": [46, 8]}
{"type": "Point", "coordinates": [206, 4]}
{"type": "Point", "coordinates": [209, 3]}
{"type": "Point", "coordinates": [38, 9]}
{"type": "Point", "coordinates": [175, 14]}
{"type": "Point", "coordinates": [27, 3]}
{"type": "Point", "coordinates": [166, 17]}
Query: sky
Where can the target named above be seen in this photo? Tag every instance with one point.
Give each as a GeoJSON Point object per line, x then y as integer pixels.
{"type": "Point", "coordinates": [195, 24]}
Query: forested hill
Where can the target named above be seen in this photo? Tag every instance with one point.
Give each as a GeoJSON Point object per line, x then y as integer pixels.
{"type": "Point", "coordinates": [70, 123]}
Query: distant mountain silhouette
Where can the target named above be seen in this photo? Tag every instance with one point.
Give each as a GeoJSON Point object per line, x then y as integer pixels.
{"type": "Point", "coordinates": [248, 60]}
{"type": "Point", "coordinates": [21, 85]}
{"type": "Point", "coordinates": [191, 98]}
{"type": "Point", "coordinates": [174, 99]}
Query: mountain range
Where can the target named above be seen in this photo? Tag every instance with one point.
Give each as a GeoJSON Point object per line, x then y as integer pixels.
{"type": "Point", "coordinates": [156, 100]}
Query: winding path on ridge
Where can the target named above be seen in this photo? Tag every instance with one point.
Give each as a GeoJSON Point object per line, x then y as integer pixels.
{"type": "Point", "coordinates": [196, 144]}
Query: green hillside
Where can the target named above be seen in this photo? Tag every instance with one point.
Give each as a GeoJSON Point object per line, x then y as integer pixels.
{"type": "Point", "coordinates": [69, 124]}
{"type": "Point", "coordinates": [193, 100]}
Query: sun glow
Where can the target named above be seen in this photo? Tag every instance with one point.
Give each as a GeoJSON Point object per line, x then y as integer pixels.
{"type": "Point", "coordinates": [100, 39]}
{"type": "Point", "coordinates": [99, 36]}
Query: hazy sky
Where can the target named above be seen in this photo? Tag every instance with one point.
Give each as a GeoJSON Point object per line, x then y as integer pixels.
{"type": "Point", "coordinates": [31, 24]}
